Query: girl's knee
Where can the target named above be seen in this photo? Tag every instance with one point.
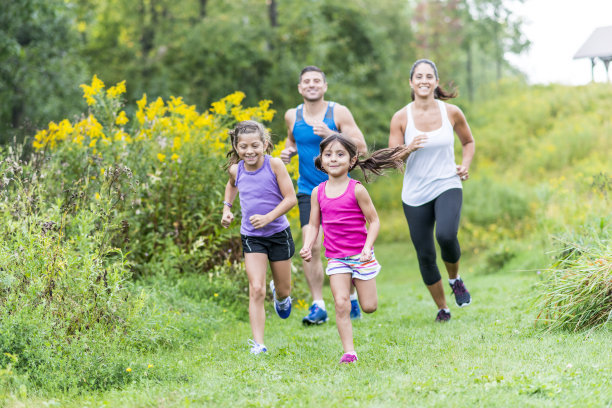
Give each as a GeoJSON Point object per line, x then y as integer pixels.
{"type": "Point", "coordinates": [257, 291]}
{"type": "Point", "coordinates": [343, 305]}
{"type": "Point", "coordinates": [369, 306]}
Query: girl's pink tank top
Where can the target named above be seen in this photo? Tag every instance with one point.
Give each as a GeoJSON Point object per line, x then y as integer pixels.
{"type": "Point", "coordinates": [344, 225]}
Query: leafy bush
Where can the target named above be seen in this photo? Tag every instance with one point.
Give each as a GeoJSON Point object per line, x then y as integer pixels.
{"type": "Point", "coordinates": [175, 154]}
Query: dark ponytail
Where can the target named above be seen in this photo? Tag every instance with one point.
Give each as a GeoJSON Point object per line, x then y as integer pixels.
{"type": "Point", "coordinates": [388, 158]}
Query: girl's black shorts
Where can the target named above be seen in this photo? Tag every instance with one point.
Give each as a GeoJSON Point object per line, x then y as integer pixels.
{"type": "Point", "coordinates": [278, 247]}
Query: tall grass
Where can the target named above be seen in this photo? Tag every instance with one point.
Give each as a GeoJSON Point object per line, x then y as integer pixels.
{"type": "Point", "coordinates": [576, 292]}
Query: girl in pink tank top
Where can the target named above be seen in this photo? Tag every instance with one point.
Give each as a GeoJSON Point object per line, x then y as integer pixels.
{"type": "Point", "coordinates": [342, 206]}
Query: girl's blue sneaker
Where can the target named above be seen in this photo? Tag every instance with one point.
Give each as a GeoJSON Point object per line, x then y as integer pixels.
{"type": "Point", "coordinates": [283, 309]}
{"type": "Point", "coordinates": [355, 310]}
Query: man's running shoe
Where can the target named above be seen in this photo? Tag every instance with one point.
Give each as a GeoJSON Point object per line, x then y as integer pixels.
{"type": "Point", "coordinates": [348, 358]}
{"type": "Point", "coordinates": [283, 309]}
{"type": "Point", "coordinates": [462, 296]}
{"type": "Point", "coordinates": [443, 316]}
{"type": "Point", "coordinates": [316, 316]}
{"type": "Point", "coordinates": [355, 311]}
{"type": "Point", "coordinates": [257, 348]}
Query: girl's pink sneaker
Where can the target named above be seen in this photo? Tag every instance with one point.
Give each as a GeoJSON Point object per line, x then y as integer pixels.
{"type": "Point", "coordinates": [348, 358]}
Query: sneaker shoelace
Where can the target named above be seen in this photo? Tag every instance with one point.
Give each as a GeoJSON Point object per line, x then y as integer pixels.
{"type": "Point", "coordinates": [284, 304]}
{"type": "Point", "coordinates": [458, 287]}
{"type": "Point", "coordinates": [256, 348]}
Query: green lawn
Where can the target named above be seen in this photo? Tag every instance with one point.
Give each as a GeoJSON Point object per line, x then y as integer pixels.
{"type": "Point", "coordinates": [488, 355]}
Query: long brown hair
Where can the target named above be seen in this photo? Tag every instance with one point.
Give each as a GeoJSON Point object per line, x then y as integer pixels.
{"type": "Point", "coordinates": [379, 160]}
{"type": "Point", "coordinates": [247, 126]}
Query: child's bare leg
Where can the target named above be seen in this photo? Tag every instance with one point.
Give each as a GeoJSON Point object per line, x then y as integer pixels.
{"type": "Point", "coordinates": [313, 270]}
{"type": "Point", "coordinates": [256, 267]}
{"type": "Point", "coordinates": [366, 291]}
{"type": "Point", "coordinates": [281, 273]}
{"type": "Point", "coordinates": [341, 288]}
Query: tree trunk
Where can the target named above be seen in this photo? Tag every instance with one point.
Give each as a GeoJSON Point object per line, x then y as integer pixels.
{"type": "Point", "coordinates": [203, 8]}
{"type": "Point", "coordinates": [272, 13]}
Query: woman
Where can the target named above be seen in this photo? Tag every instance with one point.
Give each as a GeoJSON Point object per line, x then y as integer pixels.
{"type": "Point", "coordinates": [432, 190]}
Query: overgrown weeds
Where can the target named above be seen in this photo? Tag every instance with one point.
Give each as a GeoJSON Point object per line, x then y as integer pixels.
{"type": "Point", "coordinates": [576, 292]}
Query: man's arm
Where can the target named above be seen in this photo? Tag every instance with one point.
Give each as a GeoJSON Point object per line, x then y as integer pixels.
{"type": "Point", "coordinates": [346, 124]}
{"type": "Point", "coordinates": [290, 147]}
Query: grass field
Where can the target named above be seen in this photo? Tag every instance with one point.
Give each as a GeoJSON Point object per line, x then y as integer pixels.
{"type": "Point", "coordinates": [488, 355]}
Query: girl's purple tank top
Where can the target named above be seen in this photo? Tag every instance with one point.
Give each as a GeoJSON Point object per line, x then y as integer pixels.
{"type": "Point", "coordinates": [259, 194]}
{"type": "Point", "coordinates": [344, 225]}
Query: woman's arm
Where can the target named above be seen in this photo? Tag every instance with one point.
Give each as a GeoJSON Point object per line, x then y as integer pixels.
{"type": "Point", "coordinates": [312, 229]}
{"type": "Point", "coordinates": [369, 211]}
{"type": "Point", "coordinates": [396, 135]}
{"type": "Point", "coordinates": [286, 188]}
{"type": "Point", "coordinates": [461, 127]}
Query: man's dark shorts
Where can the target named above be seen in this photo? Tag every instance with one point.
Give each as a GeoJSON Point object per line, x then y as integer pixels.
{"type": "Point", "coordinates": [278, 247]}
{"type": "Point", "coordinates": [304, 207]}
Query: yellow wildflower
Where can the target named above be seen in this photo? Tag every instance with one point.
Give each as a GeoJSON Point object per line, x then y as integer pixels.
{"type": "Point", "coordinates": [161, 157]}
{"type": "Point", "coordinates": [174, 157]}
{"type": "Point", "coordinates": [98, 196]}
{"type": "Point", "coordinates": [142, 102]}
{"type": "Point", "coordinates": [235, 98]}
{"type": "Point", "coordinates": [219, 107]}
{"type": "Point", "coordinates": [116, 90]}
{"type": "Point", "coordinates": [121, 118]}
{"type": "Point", "coordinates": [96, 84]}
{"type": "Point", "coordinates": [129, 370]}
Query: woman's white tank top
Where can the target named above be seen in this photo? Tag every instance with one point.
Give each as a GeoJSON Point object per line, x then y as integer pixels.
{"type": "Point", "coordinates": [431, 170]}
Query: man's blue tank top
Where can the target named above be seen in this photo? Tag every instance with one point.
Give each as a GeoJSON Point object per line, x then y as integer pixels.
{"type": "Point", "coordinates": [308, 149]}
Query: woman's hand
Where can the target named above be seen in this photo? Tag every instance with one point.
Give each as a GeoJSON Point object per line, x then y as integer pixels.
{"type": "Point", "coordinates": [462, 172]}
{"type": "Point", "coordinates": [417, 143]}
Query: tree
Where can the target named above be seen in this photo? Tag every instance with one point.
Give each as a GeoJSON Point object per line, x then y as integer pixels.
{"type": "Point", "coordinates": [40, 70]}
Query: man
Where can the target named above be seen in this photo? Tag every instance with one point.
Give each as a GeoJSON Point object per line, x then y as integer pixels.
{"type": "Point", "coordinates": [307, 125]}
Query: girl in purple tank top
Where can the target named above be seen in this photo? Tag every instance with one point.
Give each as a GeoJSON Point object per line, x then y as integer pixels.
{"type": "Point", "coordinates": [342, 206]}
{"type": "Point", "coordinates": [266, 195]}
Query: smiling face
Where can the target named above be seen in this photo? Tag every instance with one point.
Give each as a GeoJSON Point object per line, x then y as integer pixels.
{"type": "Point", "coordinates": [424, 81]}
{"type": "Point", "coordinates": [336, 160]}
{"type": "Point", "coordinates": [251, 148]}
{"type": "Point", "coordinates": [312, 86]}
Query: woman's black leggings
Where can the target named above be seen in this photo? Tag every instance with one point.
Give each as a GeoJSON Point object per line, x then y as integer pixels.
{"type": "Point", "coordinates": [444, 211]}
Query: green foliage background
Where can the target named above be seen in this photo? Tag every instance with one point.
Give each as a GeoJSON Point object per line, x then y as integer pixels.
{"type": "Point", "coordinates": [202, 50]}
